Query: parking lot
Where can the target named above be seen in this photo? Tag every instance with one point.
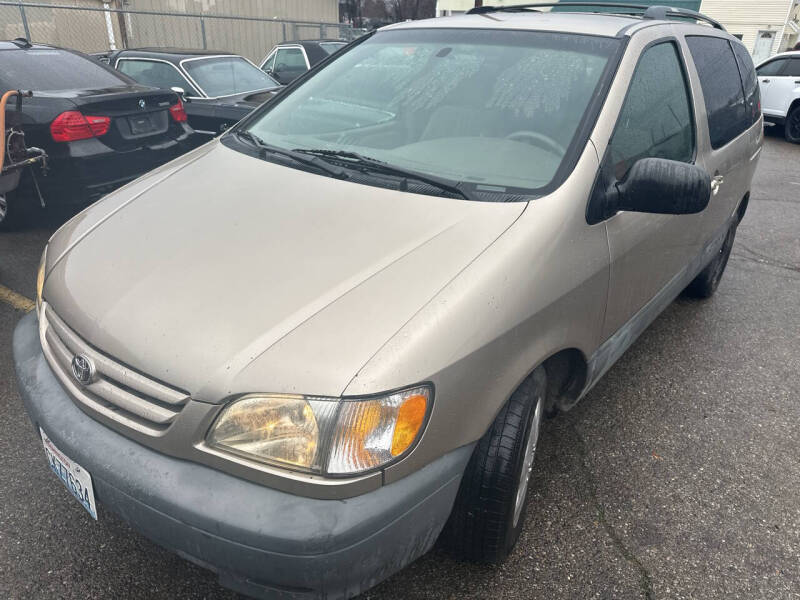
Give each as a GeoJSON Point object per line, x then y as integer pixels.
{"type": "Point", "coordinates": [677, 477]}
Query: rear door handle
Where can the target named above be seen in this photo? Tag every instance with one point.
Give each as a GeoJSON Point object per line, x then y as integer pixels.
{"type": "Point", "coordinates": [765, 81]}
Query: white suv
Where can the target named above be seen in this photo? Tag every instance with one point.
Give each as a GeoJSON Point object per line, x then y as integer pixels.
{"type": "Point", "coordinates": [779, 80]}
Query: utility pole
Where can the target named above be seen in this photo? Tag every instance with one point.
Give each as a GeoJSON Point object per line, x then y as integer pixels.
{"type": "Point", "coordinates": [123, 30]}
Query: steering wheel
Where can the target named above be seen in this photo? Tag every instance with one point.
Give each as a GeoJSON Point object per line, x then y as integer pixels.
{"type": "Point", "coordinates": [538, 139]}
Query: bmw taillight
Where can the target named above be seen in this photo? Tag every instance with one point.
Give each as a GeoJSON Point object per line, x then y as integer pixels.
{"type": "Point", "coordinates": [72, 125]}
{"type": "Point", "coordinates": [178, 113]}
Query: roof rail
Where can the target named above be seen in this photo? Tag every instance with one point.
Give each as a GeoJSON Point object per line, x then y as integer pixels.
{"type": "Point", "coordinates": [665, 12]}
{"type": "Point", "coordinates": [638, 10]}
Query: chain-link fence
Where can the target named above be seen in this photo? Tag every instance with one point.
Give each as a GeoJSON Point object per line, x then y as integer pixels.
{"type": "Point", "coordinates": [96, 29]}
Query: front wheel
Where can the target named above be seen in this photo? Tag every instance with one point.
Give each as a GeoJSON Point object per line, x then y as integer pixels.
{"type": "Point", "coordinates": [489, 510]}
{"type": "Point", "coordinates": [791, 129]}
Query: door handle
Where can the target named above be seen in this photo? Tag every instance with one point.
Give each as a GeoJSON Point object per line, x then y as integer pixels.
{"type": "Point", "coordinates": [715, 183]}
{"type": "Point", "coordinates": [765, 81]}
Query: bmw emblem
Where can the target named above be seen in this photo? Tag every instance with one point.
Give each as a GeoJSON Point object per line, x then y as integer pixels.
{"type": "Point", "coordinates": [83, 369]}
{"type": "Point", "coordinates": [142, 103]}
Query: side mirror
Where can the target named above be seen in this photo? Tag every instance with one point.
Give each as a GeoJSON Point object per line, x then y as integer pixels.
{"type": "Point", "coordinates": [181, 93]}
{"type": "Point", "coordinates": [661, 186]}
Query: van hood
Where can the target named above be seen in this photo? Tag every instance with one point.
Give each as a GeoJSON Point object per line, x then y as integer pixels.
{"type": "Point", "coordinates": [223, 274]}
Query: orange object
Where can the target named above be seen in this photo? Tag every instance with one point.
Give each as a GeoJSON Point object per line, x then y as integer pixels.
{"type": "Point", "coordinates": [410, 417]}
{"type": "Point", "coordinates": [3, 102]}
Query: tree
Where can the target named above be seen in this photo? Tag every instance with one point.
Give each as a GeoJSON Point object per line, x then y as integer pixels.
{"type": "Point", "coordinates": [400, 10]}
{"type": "Point", "coordinates": [357, 11]}
{"type": "Point", "coordinates": [351, 11]}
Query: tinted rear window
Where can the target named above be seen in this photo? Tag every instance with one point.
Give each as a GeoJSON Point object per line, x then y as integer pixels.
{"type": "Point", "coordinates": [773, 67]}
{"type": "Point", "coordinates": [752, 96]}
{"type": "Point", "coordinates": [722, 88]}
{"type": "Point", "coordinates": [50, 70]}
{"type": "Point", "coordinates": [793, 69]}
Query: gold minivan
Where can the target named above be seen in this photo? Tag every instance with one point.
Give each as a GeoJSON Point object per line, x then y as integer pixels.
{"type": "Point", "coordinates": [306, 351]}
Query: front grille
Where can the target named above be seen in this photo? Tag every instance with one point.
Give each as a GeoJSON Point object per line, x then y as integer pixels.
{"type": "Point", "coordinates": [116, 391]}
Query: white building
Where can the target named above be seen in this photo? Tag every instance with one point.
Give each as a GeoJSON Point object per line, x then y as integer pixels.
{"type": "Point", "coordinates": [765, 26]}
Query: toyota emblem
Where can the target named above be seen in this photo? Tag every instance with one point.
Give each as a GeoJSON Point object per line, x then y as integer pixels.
{"type": "Point", "coordinates": [142, 103]}
{"type": "Point", "coordinates": [83, 369]}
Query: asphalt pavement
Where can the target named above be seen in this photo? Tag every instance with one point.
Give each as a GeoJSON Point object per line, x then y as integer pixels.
{"type": "Point", "coordinates": [677, 477]}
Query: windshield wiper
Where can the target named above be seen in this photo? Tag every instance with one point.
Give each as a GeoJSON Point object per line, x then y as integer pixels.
{"type": "Point", "coordinates": [303, 158]}
{"type": "Point", "coordinates": [375, 165]}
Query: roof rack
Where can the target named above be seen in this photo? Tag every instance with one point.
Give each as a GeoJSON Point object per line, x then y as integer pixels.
{"type": "Point", "coordinates": [637, 10]}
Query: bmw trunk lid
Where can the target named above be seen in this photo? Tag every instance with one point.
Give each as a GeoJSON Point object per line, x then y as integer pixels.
{"type": "Point", "coordinates": [139, 114]}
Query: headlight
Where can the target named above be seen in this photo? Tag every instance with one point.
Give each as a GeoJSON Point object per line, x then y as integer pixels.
{"type": "Point", "coordinates": [323, 435]}
{"type": "Point", "coordinates": [40, 280]}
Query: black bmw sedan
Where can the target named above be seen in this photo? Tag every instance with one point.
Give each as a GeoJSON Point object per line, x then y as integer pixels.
{"type": "Point", "coordinates": [219, 88]}
{"type": "Point", "coordinates": [99, 128]}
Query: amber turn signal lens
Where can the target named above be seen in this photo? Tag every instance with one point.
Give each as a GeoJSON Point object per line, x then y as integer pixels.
{"type": "Point", "coordinates": [410, 418]}
{"type": "Point", "coordinates": [372, 432]}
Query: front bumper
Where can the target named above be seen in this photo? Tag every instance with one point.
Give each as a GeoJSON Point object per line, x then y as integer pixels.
{"type": "Point", "coordinates": [259, 541]}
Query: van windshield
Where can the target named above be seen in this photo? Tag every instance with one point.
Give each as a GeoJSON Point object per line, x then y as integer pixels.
{"type": "Point", "coordinates": [488, 111]}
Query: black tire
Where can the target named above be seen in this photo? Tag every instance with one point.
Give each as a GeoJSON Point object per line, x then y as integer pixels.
{"type": "Point", "coordinates": [706, 283]}
{"type": "Point", "coordinates": [482, 526]}
{"type": "Point", "coordinates": [791, 128]}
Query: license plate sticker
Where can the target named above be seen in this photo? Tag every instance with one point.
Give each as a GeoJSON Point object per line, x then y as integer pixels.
{"type": "Point", "coordinates": [74, 477]}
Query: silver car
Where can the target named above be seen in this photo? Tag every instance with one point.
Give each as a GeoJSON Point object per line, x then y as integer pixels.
{"type": "Point", "coordinates": [306, 351]}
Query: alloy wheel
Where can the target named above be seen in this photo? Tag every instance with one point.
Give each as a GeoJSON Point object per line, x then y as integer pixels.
{"type": "Point", "coordinates": [527, 461]}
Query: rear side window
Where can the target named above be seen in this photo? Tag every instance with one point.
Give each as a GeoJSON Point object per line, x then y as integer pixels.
{"type": "Point", "coordinates": [773, 67]}
{"type": "Point", "coordinates": [290, 58]}
{"type": "Point", "coordinates": [793, 70]}
{"type": "Point", "coordinates": [50, 70]}
{"type": "Point", "coordinates": [157, 74]}
{"type": "Point", "coordinates": [656, 119]}
{"type": "Point", "coordinates": [722, 88]}
{"type": "Point", "coordinates": [752, 96]}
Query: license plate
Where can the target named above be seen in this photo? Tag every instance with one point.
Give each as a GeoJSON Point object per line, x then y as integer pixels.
{"type": "Point", "coordinates": [74, 477]}
{"type": "Point", "coordinates": [140, 125]}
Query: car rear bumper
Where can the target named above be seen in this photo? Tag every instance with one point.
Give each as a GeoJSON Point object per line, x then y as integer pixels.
{"type": "Point", "coordinates": [86, 170]}
{"type": "Point", "coordinates": [259, 541]}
